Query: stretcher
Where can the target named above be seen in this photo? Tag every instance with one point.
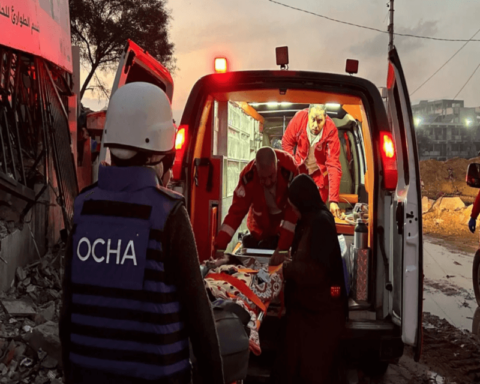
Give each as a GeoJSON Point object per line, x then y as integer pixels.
{"type": "Point", "coordinates": [241, 292]}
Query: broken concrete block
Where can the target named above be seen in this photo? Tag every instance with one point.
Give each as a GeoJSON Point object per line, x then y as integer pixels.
{"type": "Point", "coordinates": [41, 380]}
{"type": "Point", "coordinates": [21, 274]}
{"type": "Point", "coordinates": [49, 363]}
{"type": "Point", "coordinates": [427, 204]}
{"type": "Point", "coordinates": [449, 204]}
{"type": "Point", "coordinates": [19, 350]}
{"type": "Point", "coordinates": [46, 337]}
{"type": "Point", "coordinates": [49, 312]}
{"type": "Point", "coordinates": [9, 353]}
{"type": "Point", "coordinates": [55, 294]}
{"type": "Point", "coordinates": [31, 288]}
{"type": "Point", "coordinates": [19, 308]}
{"type": "Point", "coordinates": [46, 314]}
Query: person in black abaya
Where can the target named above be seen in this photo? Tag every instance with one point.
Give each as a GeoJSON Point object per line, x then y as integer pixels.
{"type": "Point", "coordinates": [315, 298]}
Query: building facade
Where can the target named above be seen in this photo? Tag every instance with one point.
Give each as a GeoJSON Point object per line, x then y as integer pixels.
{"type": "Point", "coordinates": [446, 128]}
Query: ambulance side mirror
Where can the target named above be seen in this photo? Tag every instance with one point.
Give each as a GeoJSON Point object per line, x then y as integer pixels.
{"type": "Point", "coordinates": [473, 175]}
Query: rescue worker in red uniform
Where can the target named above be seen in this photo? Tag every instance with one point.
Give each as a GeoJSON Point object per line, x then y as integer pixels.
{"type": "Point", "coordinates": [262, 193]}
{"type": "Point", "coordinates": [312, 137]}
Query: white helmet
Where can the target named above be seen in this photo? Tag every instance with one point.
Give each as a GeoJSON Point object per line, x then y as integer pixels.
{"type": "Point", "coordinates": [139, 117]}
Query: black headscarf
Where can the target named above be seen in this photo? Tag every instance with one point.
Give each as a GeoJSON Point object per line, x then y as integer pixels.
{"type": "Point", "coordinates": [304, 195]}
{"type": "Point", "coordinates": [324, 247]}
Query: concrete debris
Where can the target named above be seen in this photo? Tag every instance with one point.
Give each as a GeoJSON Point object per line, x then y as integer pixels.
{"type": "Point", "coordinates": [41, 380]}
{"type": "Point", "coordinates": [427, 204]}
{"type": "Point", "coordinates": [41, 354]}
{"type": "Point", "coordinates": [448, 204]}
{"type": "Point", "coordinates": [49, 363]}
{"type": "Point", "coordinates": [51, 375]}
{"type": "Point", "coordinates": [26, 362]}
{"type": "Point", "coordinates": [21, 275]}
{"type": "Point", "coordinates": [30, 349]}
{"type": "Point", "coordinates": [19, 308]}
{"type": "Point", "coordinates": [46, 314]}
{"type": "Point", "coordinates": [45, 336]}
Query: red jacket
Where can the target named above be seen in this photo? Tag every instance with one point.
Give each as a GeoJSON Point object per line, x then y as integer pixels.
{"type": "Point", "coordinates": [476, 207]}
{"type": "Point", "coordinates": [327, 152]}
{"type": "Point", "coordinates": [249, 197]}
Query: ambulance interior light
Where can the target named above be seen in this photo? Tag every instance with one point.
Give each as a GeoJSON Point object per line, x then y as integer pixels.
{"type": "Point", "coordinates": [333, 106]}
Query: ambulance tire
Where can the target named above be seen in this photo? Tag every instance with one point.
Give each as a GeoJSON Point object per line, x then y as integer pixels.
{"type": "Point", "coordinates": [476, 276]}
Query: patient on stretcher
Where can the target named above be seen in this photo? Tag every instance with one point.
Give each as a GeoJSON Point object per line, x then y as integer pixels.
{"type": "Point", "coordinates": [251, 284]}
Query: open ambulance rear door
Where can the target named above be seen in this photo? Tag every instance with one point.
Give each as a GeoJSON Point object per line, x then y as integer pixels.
{"type": "Point", "coordinates": [136, 64]}
{"type": "Point", "coordinates": [407, 233]}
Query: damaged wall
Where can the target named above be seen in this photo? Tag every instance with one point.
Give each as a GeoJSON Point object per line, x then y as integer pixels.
{"type": "Point", "coordinates": [37, 169]}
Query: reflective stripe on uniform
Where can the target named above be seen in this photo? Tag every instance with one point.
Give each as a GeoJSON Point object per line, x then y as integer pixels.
{"type": "Point", "coordinates": [288, 226]}
{"type": "Point", "coordinates": [226, 228]}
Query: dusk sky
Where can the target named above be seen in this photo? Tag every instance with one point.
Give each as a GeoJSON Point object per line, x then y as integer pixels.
{"type": "Point", "coordinates": [247, 32]}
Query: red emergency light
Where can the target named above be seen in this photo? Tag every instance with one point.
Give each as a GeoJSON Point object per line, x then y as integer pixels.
{"type": "Point", "coordinates": [389, 161]}
{"type": "Point", "coordinates": [180, 147]}
{"type": "Point", "coordinates": [221, 65]}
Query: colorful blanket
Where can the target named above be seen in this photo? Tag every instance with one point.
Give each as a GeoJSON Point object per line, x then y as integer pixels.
{"type": "Point", "coordinates": [250, 289]}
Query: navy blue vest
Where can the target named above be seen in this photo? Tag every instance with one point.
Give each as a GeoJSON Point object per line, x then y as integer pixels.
{"type": "Point", "coordinates": [125, 316]}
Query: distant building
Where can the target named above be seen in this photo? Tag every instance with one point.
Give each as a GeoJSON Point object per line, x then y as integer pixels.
{"type": "Point", "coordinates": [446, 129]}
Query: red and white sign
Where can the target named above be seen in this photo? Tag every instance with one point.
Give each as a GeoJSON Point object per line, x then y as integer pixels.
{"type": "Point", "coordinates": [39, 27]}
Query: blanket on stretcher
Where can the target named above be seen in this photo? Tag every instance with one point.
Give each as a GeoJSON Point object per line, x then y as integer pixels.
{"type": "Point", "coordinates": [252, 291]}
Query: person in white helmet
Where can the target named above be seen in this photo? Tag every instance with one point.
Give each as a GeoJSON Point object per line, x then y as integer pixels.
{"type": "Point", "coordinates": [133, 292]}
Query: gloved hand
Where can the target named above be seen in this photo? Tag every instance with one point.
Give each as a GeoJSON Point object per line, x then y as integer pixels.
{"type": "Point", "coordinates": [472, 224]}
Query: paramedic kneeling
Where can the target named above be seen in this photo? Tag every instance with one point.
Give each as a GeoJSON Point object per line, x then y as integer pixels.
{"type": "Point", "coordinates": [315, 298]}
{"type": "Point", "coordinates": [133, 294]}
{"type": "Point", "coordinates": [315, 137]}
{"type": "Point", "coordinates": [262, 193]}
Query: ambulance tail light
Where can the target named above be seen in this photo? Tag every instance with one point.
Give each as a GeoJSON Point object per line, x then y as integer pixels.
{"type": "Point", "coordinates": [180, 146]}
{"type": "Point", "coordinates": [389, 161]}
{"type": "Point", "coordinates": [180, 140]}
{"type": "Point", "coordinates": [335, 291]}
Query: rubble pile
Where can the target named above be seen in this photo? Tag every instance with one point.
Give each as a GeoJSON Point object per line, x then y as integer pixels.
{"type": "Point", "coordinates": [448, 217]}
{"type": "Point", "coordinates": [447, 178]}
{"type": "Point", "coordinates": [30, 349]}
{"type": "Point", "coordinates": [452, 352]}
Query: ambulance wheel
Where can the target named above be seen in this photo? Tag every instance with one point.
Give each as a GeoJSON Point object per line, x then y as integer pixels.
{"type": "Point", "coordinates": [476, 276]}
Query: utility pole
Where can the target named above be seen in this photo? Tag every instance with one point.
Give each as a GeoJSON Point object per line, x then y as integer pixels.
{"type": "Point", "coordinates": [390, 27]}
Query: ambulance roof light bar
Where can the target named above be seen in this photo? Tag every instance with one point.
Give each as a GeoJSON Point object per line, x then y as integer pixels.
{"type": "Point", "coordinates": [221, 65]}
{"type": "Point", "coordinates": [282, 57]}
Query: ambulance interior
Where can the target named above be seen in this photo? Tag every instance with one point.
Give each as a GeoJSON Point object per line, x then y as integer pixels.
{"type": "Point", "coordinates": [242, 122]}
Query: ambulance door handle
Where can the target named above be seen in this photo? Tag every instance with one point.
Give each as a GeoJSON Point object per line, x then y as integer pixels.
{"type": "Point", "coordinates": [400, 218]}
{"type": "Point", "coordinates": [203, 162]}
{"type": "Point", "coordinates": [381, 234]}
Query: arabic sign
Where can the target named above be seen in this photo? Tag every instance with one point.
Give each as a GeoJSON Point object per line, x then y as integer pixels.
{"type": "Point", "coordinates": [39, 27]}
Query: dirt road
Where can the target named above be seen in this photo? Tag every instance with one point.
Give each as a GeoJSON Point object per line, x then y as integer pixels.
{"type": "Point", "coordinates": [451, 352]}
